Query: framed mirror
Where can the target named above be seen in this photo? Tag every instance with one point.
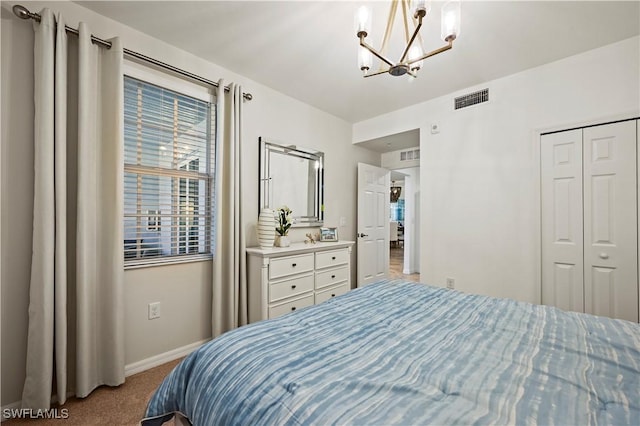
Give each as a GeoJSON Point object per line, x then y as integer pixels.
{"type": "Point", "coordinates": [292, 176]}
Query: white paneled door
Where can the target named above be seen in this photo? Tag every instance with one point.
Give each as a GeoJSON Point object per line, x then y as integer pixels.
{"type": "Point", "coordinates": [562, 233]}
{"type": "Point", "coordinates": [610, 221]}
{"type": "Point", "coordinates": [590, 219]}
{"type": "Point", "coordinates": [373, 223]}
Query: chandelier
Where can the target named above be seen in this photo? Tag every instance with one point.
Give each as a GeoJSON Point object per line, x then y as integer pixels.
{"type": "Point", "coordinates": [413, 54]}
{"type": "Point", "coordinates": [395, 192]}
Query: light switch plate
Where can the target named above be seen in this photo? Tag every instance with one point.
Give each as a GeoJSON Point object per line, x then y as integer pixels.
{"type": "Point", "coordinates": [154, 310]}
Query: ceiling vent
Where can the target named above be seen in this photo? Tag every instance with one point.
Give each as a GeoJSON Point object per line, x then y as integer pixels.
{"type": "Point", "coordinates": [413, 154]}
{"type": "Point", "coordinates": [472, 99]}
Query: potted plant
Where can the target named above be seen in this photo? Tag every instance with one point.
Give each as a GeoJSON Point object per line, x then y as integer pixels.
{"type": "Point", "coordinates": [284, 220]}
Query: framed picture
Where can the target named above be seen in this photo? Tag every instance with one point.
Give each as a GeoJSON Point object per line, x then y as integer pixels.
{"type": "Point", "coordinates": [328, 234]}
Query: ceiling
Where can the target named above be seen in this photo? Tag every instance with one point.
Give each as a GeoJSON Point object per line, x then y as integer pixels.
{"type": "Point", "coordinates": [307, 49]}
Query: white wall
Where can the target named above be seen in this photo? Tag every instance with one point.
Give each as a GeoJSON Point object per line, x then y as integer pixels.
{"type": "Point", "coordinates": [479, 175]}
{"type": "Point", "coordinates": [392, 160]}
{"type": "Point", "coordinates": [411, 192]}
{"type": "Point", "coordinates": [184, 290]}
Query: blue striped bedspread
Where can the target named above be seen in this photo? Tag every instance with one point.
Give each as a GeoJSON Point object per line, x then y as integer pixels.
{"type": "Point", "coordinates": [400, 353]}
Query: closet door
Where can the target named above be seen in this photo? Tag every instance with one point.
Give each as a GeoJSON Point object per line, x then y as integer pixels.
{"type": "Point", "coordinates": [610, 219]}
{"type": "Point", "coordinates": [562, 237]}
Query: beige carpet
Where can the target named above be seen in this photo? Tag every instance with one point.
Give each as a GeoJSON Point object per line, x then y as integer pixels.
{"type": "Point", "coordinates": [124, 405]}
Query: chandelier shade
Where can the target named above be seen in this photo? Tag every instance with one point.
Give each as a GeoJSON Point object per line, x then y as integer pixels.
{"type": "Point", "coordinates": [363, 19]}
{"type": "Point", "coordinates": [365, 58]}
{"type": "Point", "coordinates": [413, 56]}
{"type": "Point", "coordinates": [450, 23]}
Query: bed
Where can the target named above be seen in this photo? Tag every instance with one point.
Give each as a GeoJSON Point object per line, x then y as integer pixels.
{"type": "Point", "coordinates": [405, 353]}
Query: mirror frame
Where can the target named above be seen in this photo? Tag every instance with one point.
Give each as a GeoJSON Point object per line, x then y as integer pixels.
{"type": "Point", "coordinates": [266, 148]}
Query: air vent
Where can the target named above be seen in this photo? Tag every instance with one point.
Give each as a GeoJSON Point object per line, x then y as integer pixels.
{"type": "Point", "coordinates": [411, 155]}
{"type": "Point", "coordinates": [472, 99]}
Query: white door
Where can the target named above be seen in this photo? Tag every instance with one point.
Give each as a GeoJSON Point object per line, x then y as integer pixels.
{"type": "Point", "coordinates": [610, 221]}
{"type": "Point", "coordinates": [373, 223]}
{"type": "Point", "coordinates": [590, 220]}
{"type": "Point", "coordinates": [562, 230]}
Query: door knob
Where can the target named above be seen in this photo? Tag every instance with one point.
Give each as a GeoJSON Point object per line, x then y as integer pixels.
{"type": "Point", "coordinates": [604, 255]}
{"type": "Point", "coordinates": [361, 235]}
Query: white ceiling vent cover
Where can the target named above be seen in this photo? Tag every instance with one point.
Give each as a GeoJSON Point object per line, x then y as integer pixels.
{"type": "Point", "coordinates": [413, 154]}
{"type": "Point", "coordinates": [472, 99]}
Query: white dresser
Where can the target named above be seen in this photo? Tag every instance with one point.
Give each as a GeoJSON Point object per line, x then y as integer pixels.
{"type": "Point", "coordinates": [282, 280]}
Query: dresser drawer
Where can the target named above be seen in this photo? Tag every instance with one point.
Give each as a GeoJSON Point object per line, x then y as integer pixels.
{"type": "Point", "coordinates": [285, 308]}
{"type": "Point", "coordinates": [331, 276]}
{"type": "Point", "coordinates": [283, 266]}
{"type": "Point", "coordinates": [332, 258]}
{"type": "Point", "coordinates": [324, 295]}
{"type": "Point", "coordinates": [283, 289]}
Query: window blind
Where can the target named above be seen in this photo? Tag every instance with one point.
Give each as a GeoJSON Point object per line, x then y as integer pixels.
{"type": "Point", "coordinates": [168, 180]}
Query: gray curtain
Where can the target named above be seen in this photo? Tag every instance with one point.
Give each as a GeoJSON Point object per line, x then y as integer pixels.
{"type": "Point", "coordinates": [76, 330]}
{"type": "Point", "coordinates": [229, 308]}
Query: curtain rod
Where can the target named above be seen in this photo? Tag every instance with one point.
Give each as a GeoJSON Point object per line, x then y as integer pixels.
{"type": "Point", "coordinates": [24, 13]}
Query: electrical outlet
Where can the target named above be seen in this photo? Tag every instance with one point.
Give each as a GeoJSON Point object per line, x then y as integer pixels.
{"type": "Point", "coordinates": [451, 283]}
{"type": "Point", "coordinates": [154, 310]}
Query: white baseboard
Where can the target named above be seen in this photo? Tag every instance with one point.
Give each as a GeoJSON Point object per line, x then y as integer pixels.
{"type": "Point", "coordinates": [131, 369]}
{"type": "Point", "coordinates": [156, 360]}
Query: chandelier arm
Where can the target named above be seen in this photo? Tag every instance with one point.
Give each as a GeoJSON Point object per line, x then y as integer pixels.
{"type": "Point", "coordinates": [377, 73]}
{"type": "Point", "coordinates": [413, 37]}
{"type": "Point", "coordinates": [389, 28]}
{"type": "Point", "coordinates": [432, 53]}
{"type": "Point", "coordinates": [415, 23]}
{"type": "Point", "coordinates": [375, 52]}
{"type": "Point", "coordinates": [405, 22]}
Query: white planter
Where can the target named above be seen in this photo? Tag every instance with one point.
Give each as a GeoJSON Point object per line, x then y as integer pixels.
{"type": "Point", "coordinates": [282, 241]}
{"type": "Point", "coordinates": [266, 228]}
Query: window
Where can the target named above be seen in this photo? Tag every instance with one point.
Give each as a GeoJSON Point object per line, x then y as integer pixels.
{"type": "Point", "coordinates": [396, 211]}
{"type": "Point", "coordinates": [169, 143]}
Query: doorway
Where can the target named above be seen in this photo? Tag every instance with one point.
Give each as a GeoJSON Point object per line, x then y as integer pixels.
{"type": "Point", "coordinates": [400, 153]}
{"type": "Point", "coordinates": [404, 224]}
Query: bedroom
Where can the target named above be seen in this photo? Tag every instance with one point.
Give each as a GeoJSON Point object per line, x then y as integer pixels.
{"type": "Point", "coordinates": [482, 223]}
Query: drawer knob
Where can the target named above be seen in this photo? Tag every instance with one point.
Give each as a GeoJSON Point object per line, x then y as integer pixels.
{"type": "Point", "coordinates": [333, 258]}
{"type": "Point", "coordinates": [293, 265]}
{"type": "Point", "coordinates": [333, 276]}
{"type": "Point", "coordinates": [293, 308]}
{"type": "Point", "coordinates": [293, 286]}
